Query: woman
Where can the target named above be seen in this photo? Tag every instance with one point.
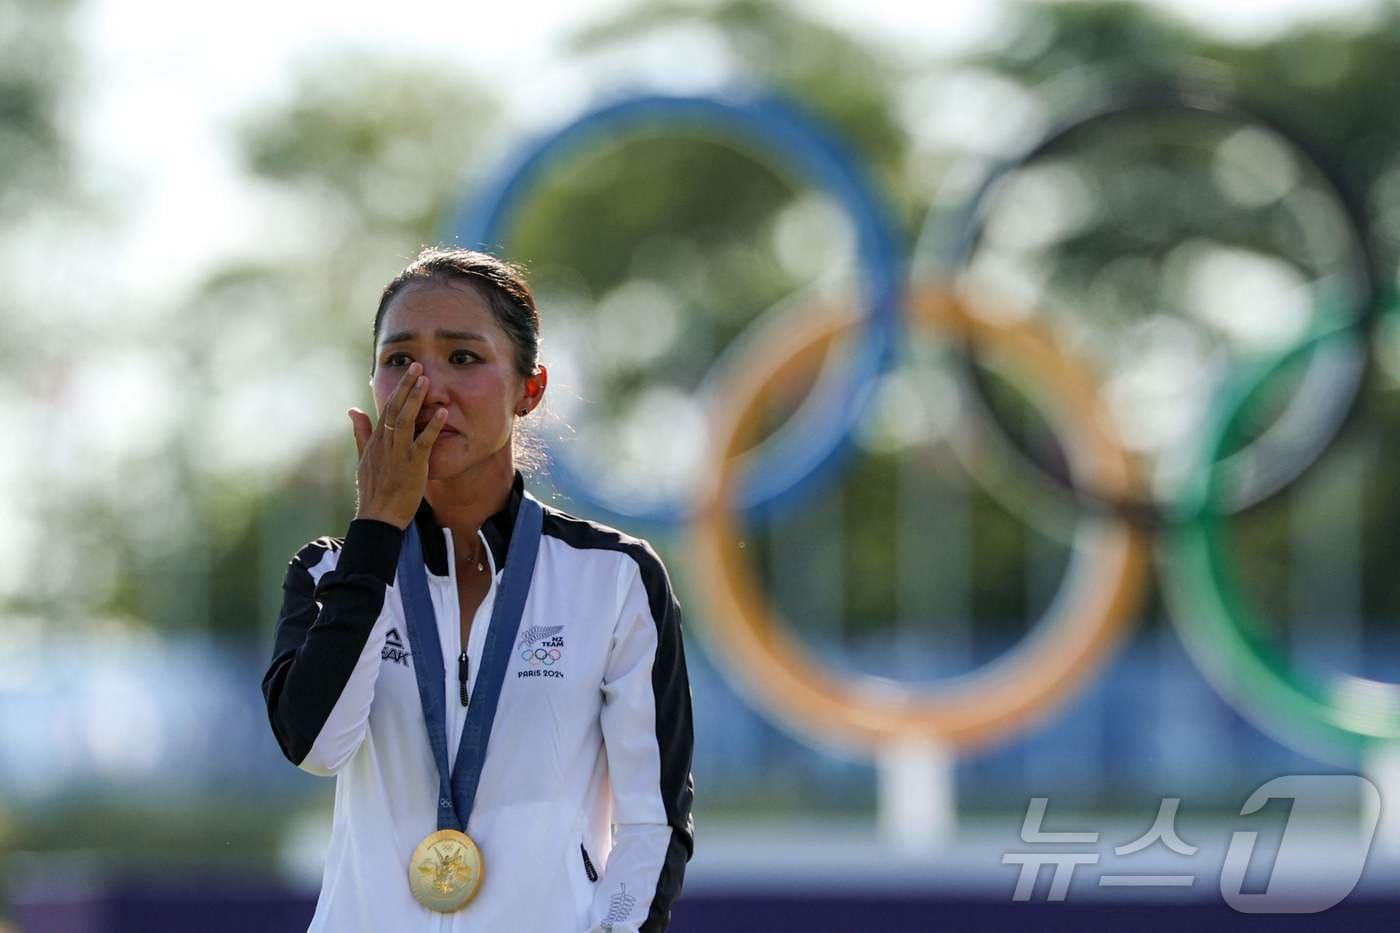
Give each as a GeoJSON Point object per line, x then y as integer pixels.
{"type": "Point", "coordinates": [567, 806]}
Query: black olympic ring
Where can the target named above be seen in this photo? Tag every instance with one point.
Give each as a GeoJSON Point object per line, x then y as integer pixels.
{"type": "Point", "coordinates": [1261, 479]}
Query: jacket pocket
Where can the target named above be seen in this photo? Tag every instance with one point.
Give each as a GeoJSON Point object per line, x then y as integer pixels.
{"type": "Point", "coordinates": [588, 868]}
{"type": "Point", "coordinates": [581, 875]}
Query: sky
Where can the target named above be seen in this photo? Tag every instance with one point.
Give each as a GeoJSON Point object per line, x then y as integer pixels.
{"type": "Point", "coordinates": [164, 80]}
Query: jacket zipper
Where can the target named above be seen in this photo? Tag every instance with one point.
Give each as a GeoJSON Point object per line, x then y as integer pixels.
{"type": "Point", "coordinates": [462, 667]}
{"type": "Point", "coordinates": [587, 864]}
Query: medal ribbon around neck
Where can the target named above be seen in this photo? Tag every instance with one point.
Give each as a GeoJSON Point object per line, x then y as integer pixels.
{"type": "Point", "coordinates": [457, 794]}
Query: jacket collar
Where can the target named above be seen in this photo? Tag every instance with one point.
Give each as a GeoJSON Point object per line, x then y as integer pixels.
{"type": "Point", "coordinates": [496, 530]}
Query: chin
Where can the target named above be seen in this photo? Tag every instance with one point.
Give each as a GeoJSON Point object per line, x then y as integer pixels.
{"type": "Point", "coordinates": [444, 464]}
{"type": "Point", "coordinates": [458, 456]}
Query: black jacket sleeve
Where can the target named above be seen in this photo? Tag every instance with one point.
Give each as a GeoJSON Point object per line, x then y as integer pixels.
{"type": "Point", "coordinates": [319, 685]}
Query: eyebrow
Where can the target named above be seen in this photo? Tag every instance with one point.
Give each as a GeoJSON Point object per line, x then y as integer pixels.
{"type": "Point", "coordinates": [408, 335]}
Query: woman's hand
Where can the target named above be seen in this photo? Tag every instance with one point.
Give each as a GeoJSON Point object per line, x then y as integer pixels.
{"type": "Point", "coordinates": [393, 463]}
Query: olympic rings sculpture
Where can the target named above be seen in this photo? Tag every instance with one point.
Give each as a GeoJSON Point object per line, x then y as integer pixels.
{"type": "Point", "coordinates": [1115, 534]}
{"type": "Point", "coordinates": [1257, 482]}
{"type": "Point", "coordinates": [1340, 713]}
{"type": "Point", "coordinates": [1087, 618]}
{"type": "Point", "coordinates": [770, 125]}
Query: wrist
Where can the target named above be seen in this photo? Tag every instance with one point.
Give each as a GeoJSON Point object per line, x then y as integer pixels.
{"type": "Point", "coordinates": [375, 515]}
{"type": "Point", "coordinates": [372, 546]}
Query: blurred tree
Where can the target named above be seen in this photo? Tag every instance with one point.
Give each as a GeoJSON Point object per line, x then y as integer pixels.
{"type": "Point", "coordinates": [713, 240]}
{"type": "Point", "coordinates": [355, 168]}
{"type": "Point", "coordinates": [36, 71]}
{"type": "Point", "coordinates": [1328, 83]}
{"type": "Point", "coordinates": [40, 75]}
{"type": "Point", "coordinates": [361, 164]}
{"type": "Point", "coordinates": [851, 82]}
{"type": "Point", "coordinates": [370, 156]}
{"type": "Point", "coordinates": [722, 234]}
{"type": "Point", "coordinates": [717, 198]}
{"type": "Point", "coordinates": [364, 163]}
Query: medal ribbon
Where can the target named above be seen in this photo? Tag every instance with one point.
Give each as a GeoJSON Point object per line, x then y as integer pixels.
{"type": "Point", "coordinates": [457, 794]}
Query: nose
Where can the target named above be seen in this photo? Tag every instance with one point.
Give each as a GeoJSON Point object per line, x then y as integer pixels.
{"type": "Point", "coordinates": [436, 396]}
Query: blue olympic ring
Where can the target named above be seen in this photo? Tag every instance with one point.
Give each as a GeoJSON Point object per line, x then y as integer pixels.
{"type": "Point", "coordinates": [798, 464]}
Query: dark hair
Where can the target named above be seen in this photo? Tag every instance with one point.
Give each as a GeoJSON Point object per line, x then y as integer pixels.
{"type": "Point", "coordinates": [501, 283]}
{"type": "Point", "coordinates": [512, 304]}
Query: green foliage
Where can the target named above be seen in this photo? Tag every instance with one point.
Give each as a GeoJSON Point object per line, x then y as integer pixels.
{"type": "Point", "coordinates": [36, 57]}
{"type": "Point", "coordinates": [1083, 44]}
{"type": "Point", "coordinates": [383, 145]}
{"type": "Point", "coordinates": [364, 160]}
{"type": "Point", "coordinates": [1331, 85]}
{"type": "Point", "coordinates": [850, 82]}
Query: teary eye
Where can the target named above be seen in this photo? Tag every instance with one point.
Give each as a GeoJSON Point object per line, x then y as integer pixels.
{"type": "Point", "coordinates": [397, 359]}
{"type": "Point", "coordinates": [460, 357]}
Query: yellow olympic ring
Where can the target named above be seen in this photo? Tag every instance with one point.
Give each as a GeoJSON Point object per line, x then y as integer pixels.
{"type": "Point", "coordinates": [1104, 584]}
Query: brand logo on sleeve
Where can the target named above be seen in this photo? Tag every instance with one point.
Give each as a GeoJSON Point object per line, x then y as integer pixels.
{"type": "Point", "coordinates": [541, 648]}
{"type": "Point", "coordinates": [394, 648]}
{"type": "Point", "coordinates": [619, 908]}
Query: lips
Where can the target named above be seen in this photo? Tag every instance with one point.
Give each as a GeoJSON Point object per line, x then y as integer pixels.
{"type": "Point", "coordinates": [446, 429]}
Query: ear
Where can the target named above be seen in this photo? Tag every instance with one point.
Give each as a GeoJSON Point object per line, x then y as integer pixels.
{"type": "Point", "coordinates": [533, 393]}
{"type": "Point", "coordinates": [534, 386]}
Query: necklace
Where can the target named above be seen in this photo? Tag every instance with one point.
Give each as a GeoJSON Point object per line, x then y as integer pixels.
{"type": "Point", "coordinates": [480, 556]}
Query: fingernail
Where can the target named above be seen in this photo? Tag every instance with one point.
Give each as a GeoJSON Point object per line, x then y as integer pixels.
{"type": "Point", "coordinates": [422, 381]}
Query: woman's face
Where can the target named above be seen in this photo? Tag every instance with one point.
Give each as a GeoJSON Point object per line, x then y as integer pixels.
{"type": "Point", "coordinates": [469, 362]}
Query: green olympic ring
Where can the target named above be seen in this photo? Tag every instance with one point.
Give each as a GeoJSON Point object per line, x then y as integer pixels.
{"type": "Point", "coordinates": [1335, 713]}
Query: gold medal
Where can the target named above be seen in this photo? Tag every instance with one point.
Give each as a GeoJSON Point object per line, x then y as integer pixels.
{"type": "Point", "coordinates": [445, 871]}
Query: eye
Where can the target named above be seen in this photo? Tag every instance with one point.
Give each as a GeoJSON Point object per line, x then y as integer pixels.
{"type": "Point", "coordinates": [462, 357]}
{"type": "Point", "coordinates": [397, 359]}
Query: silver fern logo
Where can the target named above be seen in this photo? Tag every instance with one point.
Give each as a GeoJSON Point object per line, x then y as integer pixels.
{"type": "Point", "coordinates": [619, 908]}
{"type": "Point", "coordinates": [537, 633]}
{"type": "Point", "coordinates": [541, 648]}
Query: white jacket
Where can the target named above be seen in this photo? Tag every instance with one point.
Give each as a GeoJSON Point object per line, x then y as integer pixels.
{"type": "Point", "coordinates": [583, 811]}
